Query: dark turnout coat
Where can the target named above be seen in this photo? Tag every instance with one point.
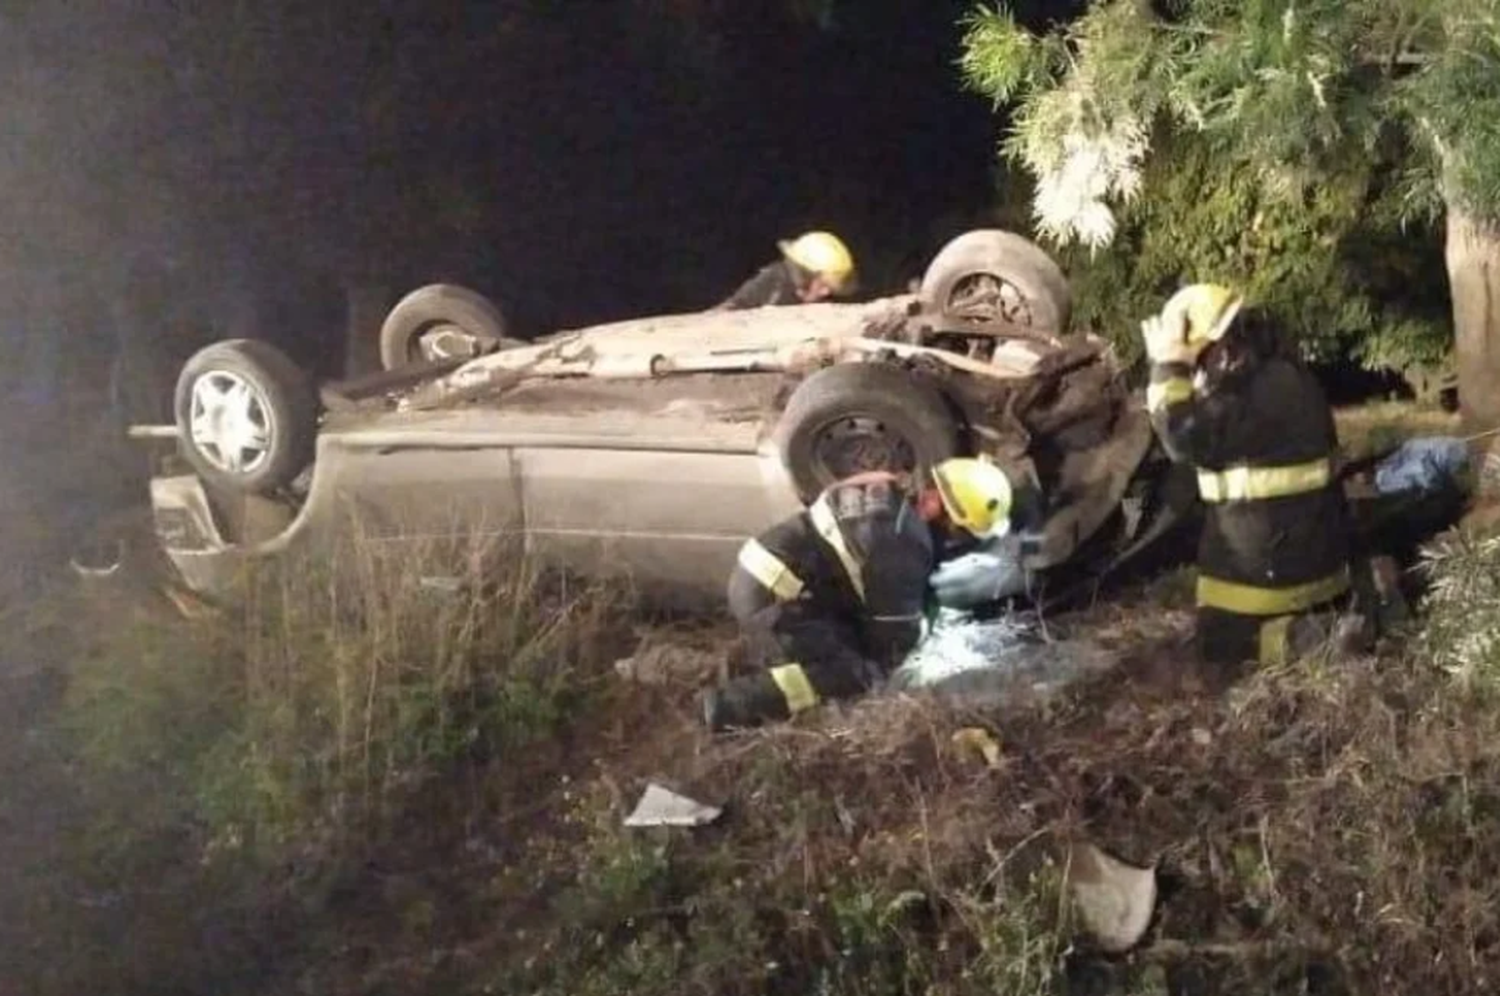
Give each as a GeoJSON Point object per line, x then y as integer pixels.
{"type": "Point", "coordinates": [836, 594]}
{"type": "Point", "coordinates": [1276, 540]}
{"type": "Point", "coordinates": [776, 284]}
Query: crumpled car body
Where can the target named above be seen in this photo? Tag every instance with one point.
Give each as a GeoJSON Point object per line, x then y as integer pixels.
{"type": "Point", "coordinates": [649, 450]}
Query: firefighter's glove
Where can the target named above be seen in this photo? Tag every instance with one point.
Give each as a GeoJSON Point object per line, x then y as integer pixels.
{"type": "Point", "coordinates": [897, 565]}
{"type": "Point", "coordinates": [1166, 339]}
{"type": "Point", "coordinates": [895, 592]}
{"type": "Point", "coordinates": [986, 575]}
{"type": "Point", "coordinates": [896, 582]}
{"type": "Point", "coordinates": [898, 557]}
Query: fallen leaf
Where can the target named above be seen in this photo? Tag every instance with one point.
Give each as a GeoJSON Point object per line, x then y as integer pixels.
{"type": "Point", "coordinates": [981, 741]}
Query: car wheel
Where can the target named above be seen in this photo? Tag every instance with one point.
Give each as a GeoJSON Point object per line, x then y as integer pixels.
{"type": "Point", "coordinates": [990, 274]}
{"type": "Point", "coordinates": [246, 416]}
{"type": "Point", "coordinates": [441, 322]}
{"type": "Point", "coordinates": [854, 417]}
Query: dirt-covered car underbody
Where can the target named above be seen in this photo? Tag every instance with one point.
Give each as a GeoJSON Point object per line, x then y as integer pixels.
{"type": "Point", "coordinates": [652, 448]}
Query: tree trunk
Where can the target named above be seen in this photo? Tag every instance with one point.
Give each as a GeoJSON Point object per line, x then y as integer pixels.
{"type": "Point", "coordinates": [1473, 256]}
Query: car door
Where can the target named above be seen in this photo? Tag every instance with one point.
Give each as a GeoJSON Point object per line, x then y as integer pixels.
{"type": "Point", "coordinates": [670, 521]}
{"type": "Point", "coordinates": [435, 489]}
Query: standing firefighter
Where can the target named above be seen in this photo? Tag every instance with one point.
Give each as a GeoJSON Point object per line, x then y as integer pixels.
{"type": "Point", "coordinates": [833, 598]}
{"type": "Point", "coordinates": [1227, 397]}
{"type": "Point", "coordinates": [813, 267]}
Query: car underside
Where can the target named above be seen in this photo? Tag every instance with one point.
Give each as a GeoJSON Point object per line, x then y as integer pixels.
{"type": "Point", "coordinates": [651, 449]}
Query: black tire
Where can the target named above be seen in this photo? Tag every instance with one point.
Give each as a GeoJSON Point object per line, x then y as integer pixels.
{"type": "Point", "coordinates": [283, 403]}
{"type": "Point", "coordinates": [436, 307]}
{"type": "Point", "coordinates": [914, 427]}
{"type": "Point", "coordinates": [1037, 294]}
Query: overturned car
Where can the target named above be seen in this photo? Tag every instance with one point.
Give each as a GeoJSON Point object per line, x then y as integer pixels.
{"type": "Point", "coordinates": [650, 449]}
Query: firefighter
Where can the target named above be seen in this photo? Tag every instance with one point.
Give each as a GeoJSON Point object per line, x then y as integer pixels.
{"type": "Point", "coordinates": [833, 598]}
{"type": "Point", "coordinates": [1274, 557]}
{"type": "Point", "coordinates": [813, 267]}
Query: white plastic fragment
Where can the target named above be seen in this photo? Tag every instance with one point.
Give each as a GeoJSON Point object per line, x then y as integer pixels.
{"type": "Point", "coordinates": [93, 572]}
{"type": "Point", "coordinates": [661, 807]}
{"type": "Point", "coordinates": [95, 561]}
{"type": "Point", "coordinates": [1114, 900]}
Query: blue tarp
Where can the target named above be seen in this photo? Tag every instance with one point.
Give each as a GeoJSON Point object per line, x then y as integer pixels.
{"type": "Point", "coordinates": [1428, 463]}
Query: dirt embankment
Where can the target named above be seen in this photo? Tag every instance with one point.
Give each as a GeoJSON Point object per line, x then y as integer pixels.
{"type": "Point", "coordinates": [252, 805]}
{"type": "Point", "coordinates": [1319, 827]}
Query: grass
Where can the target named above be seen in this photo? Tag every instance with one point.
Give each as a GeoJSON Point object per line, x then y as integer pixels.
{"type": "Point", "coordinates": [803, 892]}
{"type": "Point", "coordinates": [358, 687]}
{"type": "Point", "coordinates": [228, 776]}
{"type": "Point", "coordinates": [361, 784]}
{"type": "Point", "coordinates": [1370, 428]}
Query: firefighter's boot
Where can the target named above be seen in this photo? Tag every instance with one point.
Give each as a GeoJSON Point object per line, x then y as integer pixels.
{"type": "Point", "coordinates": [744, 703]}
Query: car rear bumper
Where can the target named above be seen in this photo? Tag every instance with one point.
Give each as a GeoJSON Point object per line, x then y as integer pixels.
{"type": "Point", "coordinates": [191, 538]}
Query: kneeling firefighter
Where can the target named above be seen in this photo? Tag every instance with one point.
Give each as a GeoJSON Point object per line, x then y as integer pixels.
{"type": "Point", "coordinates": [833, 598]}
{"type": "Point", "coordinates": [813, 267]}
{"type": "Point", "coordinates": [1227, 396]}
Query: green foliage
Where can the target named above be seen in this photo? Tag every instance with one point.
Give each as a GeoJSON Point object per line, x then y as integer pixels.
{"type": "Point", "coordinates": [1462, 635]}
{"type": "Point", "coordinates": [1330, 275]}
{"type": "Point", "coordinates": [1021, 935]}
{"type": "Point", "coordinates": [139, 721]}
{"type": "Point", "coordinates": [1002, 60]}
{"type": "Point", "coordinates": [1271, 164]}
{"type": "Point", "coordinates": [647, 912]}
{"type": "Point", "coordinates": [1205, 223]}
{"type": "Point", "coordinates": [224, 767]}
{"type": "Point", "coordinates": [359, 685]}
{"type": "Point", "coordinates": [1270, 80]}
{"type": "Point", "coordinates": [1081, 124]}
{"type": "Point", "coordinates": [857, 854]}
{"type": "Point", "coordinates": [1294, 90]}
{"type": "Point", "coordinates": [314, 719]}
{"type": "Point", "coordinates": [1454, 103]}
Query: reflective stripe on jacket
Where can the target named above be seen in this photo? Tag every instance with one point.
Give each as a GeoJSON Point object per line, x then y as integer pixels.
{"type": "Point", "coordinates": [822, 552]}
{"type": "Point", "coordinates": [859, 553]}
{"type": "Point", "coordinates": [795, 687]}
{"type": "Point", "coordinates": [771, 571]}
{"type": "Point", "coordinates": [789, 563]}
{"type": "Point", "coordinates": [1247, 483]}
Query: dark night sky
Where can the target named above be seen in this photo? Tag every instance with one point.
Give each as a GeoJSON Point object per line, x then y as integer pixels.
{"type": "Point", "coordinates": [582, 160]}
{"type": "Point", "coordinates": [630, 166]}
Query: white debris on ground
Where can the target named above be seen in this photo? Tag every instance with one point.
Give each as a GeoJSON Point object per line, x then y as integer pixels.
{"type": "Point", "coordinates": [1114, 900]}
{"type": "Point", "coordinates": [996, 661]}
{"type": "Point", "coordinates": [661, 807]}
{"type": "Point", "coordinates": [957, 642]}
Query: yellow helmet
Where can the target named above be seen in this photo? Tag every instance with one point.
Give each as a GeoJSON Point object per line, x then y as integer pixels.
{"type": "Point", "coordinates": [825, 254]}
{"type": "Point", "coordinates": [976, 495]}
{"type": "Point", "coordinates": [1205, 310]}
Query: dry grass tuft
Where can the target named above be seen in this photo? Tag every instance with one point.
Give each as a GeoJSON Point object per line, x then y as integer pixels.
{"type": "Point", "coordinates": [1369, 428]}
{"type": "Point", "coordinates": [362, 684]}
{"type": "Point", "coordinates": [227, 777]}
